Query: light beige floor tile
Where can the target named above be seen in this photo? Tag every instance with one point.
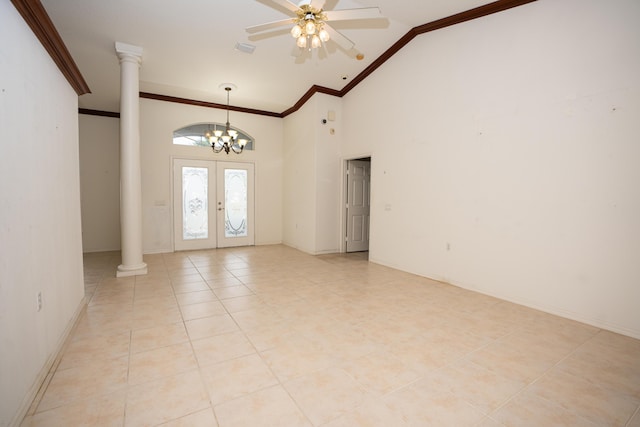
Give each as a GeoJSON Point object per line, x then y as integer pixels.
{"type": "Point", "coordinates": [519, 364]}
{"type": "Point", "coordinates": [261, 317]}
{"type": "Point", "coordinates": [107, 410]}
{"type": "Point", "coordinates": [268, 407]}
{"type": "Point", "coordinates": [202, 309]}
{"type": "Point", "coordinates": [232, 292]}
{"type": "Point", "coordinates": [237, 377]}
{"type": "Point", "coordinates": [271, 335]}
{"type": "Point", "coordinates": [380, 372]}
{"type": "Point", "coordinates": [480, 387]}
{"type": "Point", "coordinates": [166, 399]}
{"type": "Point", "coordinates": [296, 359]}
{"type": "Point", "coordinates": [203, 418]}
{"type": "Point", "coordinates": [100, 377]}
{"type": "Point", "coordinates": [195, 297]}
{"type": "Point", "coordinates": [528, 410]}
{"type": "Point", "coordinates": [181, 288]}
{"type": "Point", "coordinates": [326, 395]}
{"type": "Point", "coordinates": [635, 420]}
{"type": "Point", "coordinates": [489, 422]}
{"type": "Point", "coordinates": [432, 408]}
{"type": "Point", "coordinates": [161, 362]}
{"type": "Point", "coordinates": [150, 316]}
{"type": "Point", "coordinates": [577, 395]}
{"type": "Point", "coordinates": [249, 303]}
{"type": "Point", "coordinates": [217, 280]}
{"type": "Point", "coordinates": [102, 346]}
{"type": "Point", "coordinates": [222, 347]}
{"type": "Point", "coordinates": [210, 326]}
{"type": "Point", "coordinates": [372, 413]}
{"type": "Point", "coordinates": [158, 336]}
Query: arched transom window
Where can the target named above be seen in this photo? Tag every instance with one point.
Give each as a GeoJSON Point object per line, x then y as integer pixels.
{"type": "Point", "coordinates": [194, 135]}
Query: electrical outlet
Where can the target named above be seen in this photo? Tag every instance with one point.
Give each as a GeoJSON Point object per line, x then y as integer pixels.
{"type": "Point", "coordinates": [39, 301]}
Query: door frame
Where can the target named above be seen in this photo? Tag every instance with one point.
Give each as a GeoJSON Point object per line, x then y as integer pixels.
{"type": "Point", "coordinates": [344, 198]}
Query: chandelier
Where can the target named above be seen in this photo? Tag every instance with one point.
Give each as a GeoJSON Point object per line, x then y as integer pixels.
{"type": "Point", "coordinates": [309, 29]}
{"type": "Point", "coordinates": [226, 140]}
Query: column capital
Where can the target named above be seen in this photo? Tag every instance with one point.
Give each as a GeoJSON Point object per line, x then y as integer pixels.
{"type": "Point", "coordinates": [128, 51]}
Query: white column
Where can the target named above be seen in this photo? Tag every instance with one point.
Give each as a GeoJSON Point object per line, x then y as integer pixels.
{"type": "Point", "coordinates": [130, 175]}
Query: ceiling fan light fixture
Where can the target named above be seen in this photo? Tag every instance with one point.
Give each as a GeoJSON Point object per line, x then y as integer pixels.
{"type": "Point", "coordinates": [301, 42]}
{"type": "Point", "coordinates": [324, 35]}
{"type": "Point", "coordinates": [296, 31]}
{"type": "Point", "coordinates": [310, 27]}
{"type": "Point", "coordinates": [315, 41]}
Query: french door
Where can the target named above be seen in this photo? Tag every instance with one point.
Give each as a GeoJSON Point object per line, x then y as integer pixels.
{"type": "Point", "coordinates": [213, 204]}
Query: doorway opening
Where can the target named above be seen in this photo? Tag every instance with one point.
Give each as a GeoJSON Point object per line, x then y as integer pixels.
{"type": "Point", "coordinates": [357, 204]}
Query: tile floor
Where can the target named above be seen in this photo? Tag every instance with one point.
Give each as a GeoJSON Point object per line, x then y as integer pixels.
{"type": "Point", "coordinates": [269, 336]}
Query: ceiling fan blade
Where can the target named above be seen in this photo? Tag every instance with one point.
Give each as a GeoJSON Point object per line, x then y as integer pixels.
{"type": "Point", "coordinates": [339, 38]}
{"type": "Point", "coordinates": [352, 14]}
{"type": "Point", "coordinates": [287, 5]}
{"type": "Point", "coordinates": [268, 26]}
{"type": "Point", "coordinates": [317, 4]}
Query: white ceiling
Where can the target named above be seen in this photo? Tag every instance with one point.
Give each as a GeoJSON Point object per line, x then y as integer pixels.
{"type": "Point", "coordinates": [189, 47]}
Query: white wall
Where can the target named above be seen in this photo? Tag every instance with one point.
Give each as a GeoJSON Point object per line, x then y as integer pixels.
{"type": "Point", "coordinates": [513, 167]}
{"type": "Point", "coordinates": [299, 178]}
{"type": "Point", "coordinates": [100, 182]}
{"type": "Point", "coordinates": [40, 240]}
{"type": "Point", "coordinates": [328, 174]}
{"type": "Point", "coordinates": [312, 177]}
{"type": "Point", "coordinates": [158, 120]}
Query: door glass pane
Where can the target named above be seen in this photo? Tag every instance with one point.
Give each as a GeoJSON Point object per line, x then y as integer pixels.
{"type": "Point", "coordinates": [235, 201]}
{"type": "Point", "coordinates": [195, 204]}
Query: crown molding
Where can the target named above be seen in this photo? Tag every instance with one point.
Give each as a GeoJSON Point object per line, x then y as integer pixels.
{"type": "Point", "coordinates": [100, 113]}
{"type": "Point", "coordinates": [158, 97]}
{"type": "Point", "coordinates": [38, 20]}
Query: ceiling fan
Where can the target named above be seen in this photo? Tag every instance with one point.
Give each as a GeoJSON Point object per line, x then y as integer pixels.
{"type": "Point", "coordinates": [311, 23]}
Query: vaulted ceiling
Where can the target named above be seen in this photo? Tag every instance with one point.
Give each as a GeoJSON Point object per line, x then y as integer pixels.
{"type": "Point", "coordinates": [189, 47]}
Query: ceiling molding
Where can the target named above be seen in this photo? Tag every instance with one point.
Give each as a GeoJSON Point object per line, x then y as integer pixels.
{"type": "Point", "coordinates": [308, 94]}
{"type": "Point", "coordinates": [155, 96]}
{"type": "Point", "coordinates": [100, 113]}
{"type": "Point", "coordinates": [38, 20]}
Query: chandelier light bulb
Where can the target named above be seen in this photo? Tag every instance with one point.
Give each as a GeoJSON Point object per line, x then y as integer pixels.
{"type": "Point", "coordinates": [315, 41]}
{"type": "Point", "coordinates": [324, 35]}
{"type": "Point", "coordinates": [310, 27]}
{"type": "Point", "coordinates": [301, 42]}
{"type": "Point", "coordinates": [296, 31]}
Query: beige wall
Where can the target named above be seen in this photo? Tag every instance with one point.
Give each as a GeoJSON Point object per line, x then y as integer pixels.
{"type": "Point", "coordinates": [513, 166]}
{"type": "Point", "coordinates": [312, 177]}
{"type": "Point", "coordinates": [100, 182]}
{"type": "Point", "coordinates": [158, 120]}
{"type": "Point", "coordinates": [40, 241]}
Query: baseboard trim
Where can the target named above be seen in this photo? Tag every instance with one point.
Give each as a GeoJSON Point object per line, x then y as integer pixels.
{"type": "Point", "coordinates": [39, 386]}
